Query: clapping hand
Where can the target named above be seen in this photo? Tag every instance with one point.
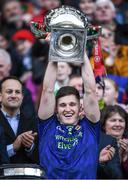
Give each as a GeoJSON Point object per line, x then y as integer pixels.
{"type": "Point", "coordinates": [123, 149]}
{"type": "Point", "coordinates": [28, 138]}
{"type": "Point", "coordinates": [106, 154]}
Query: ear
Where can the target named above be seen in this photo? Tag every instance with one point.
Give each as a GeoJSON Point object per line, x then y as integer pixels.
{"type": "Point", "coordinates": [81, 111]}
{"type": "Point", "coordinates": [80, 107]}
{"type": "Point", "coordinates": [56, 110]}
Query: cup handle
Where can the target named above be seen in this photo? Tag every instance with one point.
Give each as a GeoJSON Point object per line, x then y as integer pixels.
{"type": "Point", "coordinates": [38, 30]}
{"type": "Point", "coordinates": [95, 32]}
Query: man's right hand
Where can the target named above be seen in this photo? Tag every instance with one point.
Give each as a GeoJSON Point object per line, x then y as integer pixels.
{"type": "Point", "coordinates": [17, 143]}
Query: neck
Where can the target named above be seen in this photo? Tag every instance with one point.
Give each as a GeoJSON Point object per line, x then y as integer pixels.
{"type": "Point", "coordinates": [10, 111]}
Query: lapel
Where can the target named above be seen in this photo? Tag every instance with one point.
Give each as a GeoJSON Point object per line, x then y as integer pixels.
{"type": "Point", "coordinates": [21, 125]}
{"type": "Point", "coordinates": [7, 128]}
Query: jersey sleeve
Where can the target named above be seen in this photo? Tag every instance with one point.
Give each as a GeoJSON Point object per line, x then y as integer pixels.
{"type": "Point", "coordinates": [44, 124]}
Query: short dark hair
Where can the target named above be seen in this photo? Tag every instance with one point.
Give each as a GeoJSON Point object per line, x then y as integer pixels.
{"type": "Point", "coordinates": [67, 90]}
{"type": "Point", "coordinates": [109, 111]}
{"type": "Point", "coordinates": [10, 78]}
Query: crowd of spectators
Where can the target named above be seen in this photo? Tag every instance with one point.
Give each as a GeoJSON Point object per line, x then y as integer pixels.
{"type": "Point", "coordinates": [23, 61]}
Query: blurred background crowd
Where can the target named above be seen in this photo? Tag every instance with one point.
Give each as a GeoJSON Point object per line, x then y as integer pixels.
{"type": "Point", "coordinates": [26, 57]}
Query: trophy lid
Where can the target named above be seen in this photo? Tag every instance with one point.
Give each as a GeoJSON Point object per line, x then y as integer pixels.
{"type": "Point", "coordinates": [65, 16]}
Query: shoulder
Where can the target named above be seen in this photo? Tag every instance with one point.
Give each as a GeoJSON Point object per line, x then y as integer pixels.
{"type": "Point", "coordinates": [47, 126]}
{"type": "Point", "coordinates": [92, 128]}
{"type": "Point", "coordinates": [2, 117]}
{"type": "Point", "coordinates": [106, 136]}
{"type": "Point", "coordinates": [86, 121]}
{"type": "Point", "coordinates": [46, 122]}
{"type": "Point", "coordinates": [106, 140]}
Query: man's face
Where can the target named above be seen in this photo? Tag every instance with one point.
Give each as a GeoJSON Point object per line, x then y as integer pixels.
{"type": "Point", "coordinates": [115, 126]}
{"type": "Point", "coordinates": [4, 68]}
{"type": "Point", "coordinates": [11, 95]}
{"type": "Point", "coordinates": [104, 13]}
{"type": "Point", "coordinates": [68, 110]}
{"type": "Point", "coordinates": [87, 6]}
{"type": "Point", "coordinates": [110, 93]}
{"type": "Point", "coordinates": [63, 72]}
{"type": "Point", "coordinates": [12, 11]}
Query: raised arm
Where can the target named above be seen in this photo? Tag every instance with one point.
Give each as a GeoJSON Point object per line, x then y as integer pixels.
{"type": "Point", "coordinates": [47, 102]}
{"type": "Point", "coordinates": [91, 106]}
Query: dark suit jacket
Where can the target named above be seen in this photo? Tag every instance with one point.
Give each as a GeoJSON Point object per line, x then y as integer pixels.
{"type": "Point", "coordinates": [111, 169]}
{"type": "Point", "coordinates": [25, 124]}
{"type": "Point", "coordinates": [3, 153]}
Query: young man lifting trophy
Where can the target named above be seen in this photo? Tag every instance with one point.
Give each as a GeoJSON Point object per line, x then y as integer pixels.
{"type": "Point", "coordinates": [68, 144]}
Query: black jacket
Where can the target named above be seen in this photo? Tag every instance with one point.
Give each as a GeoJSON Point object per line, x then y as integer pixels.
{"type": "Point", "coordinates": [25, 124]}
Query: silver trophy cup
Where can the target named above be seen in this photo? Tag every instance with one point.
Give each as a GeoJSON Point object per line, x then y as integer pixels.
{"type": "Point", "coordinates": [69, 33]}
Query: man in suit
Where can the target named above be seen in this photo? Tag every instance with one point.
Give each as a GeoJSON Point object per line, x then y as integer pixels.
{"type": "Point", "coordinates": [20, 131]}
